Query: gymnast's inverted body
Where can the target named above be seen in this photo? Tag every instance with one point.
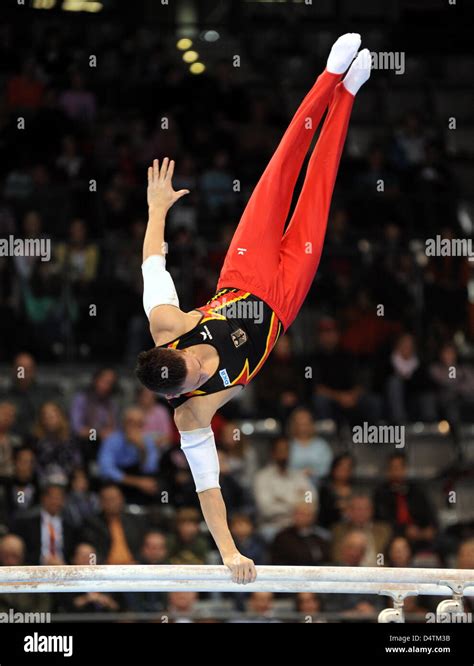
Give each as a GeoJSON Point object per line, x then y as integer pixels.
{"type": "Point", "coordinates": [204, 358]}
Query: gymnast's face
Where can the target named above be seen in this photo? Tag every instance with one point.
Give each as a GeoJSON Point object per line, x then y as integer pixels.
{"type": "Point", "coordinates": [195, 375]}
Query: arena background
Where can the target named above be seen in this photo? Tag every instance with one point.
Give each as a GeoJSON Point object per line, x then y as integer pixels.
{"type": "Point", "coordinates": [91, 92]}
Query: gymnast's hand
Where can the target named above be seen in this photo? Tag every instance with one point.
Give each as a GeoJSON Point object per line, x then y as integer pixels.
{"type": "Point", "coordinates": [160, 193]}
{"type": "Point", "coordinates": [242, 568]}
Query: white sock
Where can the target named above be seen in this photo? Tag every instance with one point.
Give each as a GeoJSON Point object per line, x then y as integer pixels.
{"type": "Point", "coordinates": [359, 72]}
{"type": "Point", "coordinates": [343, 53]}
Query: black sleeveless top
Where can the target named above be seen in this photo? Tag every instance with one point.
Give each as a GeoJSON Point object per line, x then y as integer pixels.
{"type": "Point", "coordinates": [242, 328]}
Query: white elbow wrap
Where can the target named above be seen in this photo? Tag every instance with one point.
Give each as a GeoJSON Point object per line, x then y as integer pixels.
{"type": "Point", "coordinates": [158, 285]}
{"type": "Point", "coordinates": [200, 450]}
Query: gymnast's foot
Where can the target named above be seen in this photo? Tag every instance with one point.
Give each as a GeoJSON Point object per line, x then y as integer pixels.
{"type": "Point", "coordinates": [359, 72]}
{"type": "Point", "coordinates": [343, 53]}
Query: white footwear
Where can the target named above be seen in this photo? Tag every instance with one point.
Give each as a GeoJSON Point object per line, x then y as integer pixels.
{"type": "Point", "coordinates": [343, 52]}
{"type": "Point", "coordinates": [359, 72]}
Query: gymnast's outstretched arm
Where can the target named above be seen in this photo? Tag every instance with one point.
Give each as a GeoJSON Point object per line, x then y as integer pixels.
{"type": "Point", "coordinates": [160, 299]}
{"type": "Point", "coordinates": [199, 447]}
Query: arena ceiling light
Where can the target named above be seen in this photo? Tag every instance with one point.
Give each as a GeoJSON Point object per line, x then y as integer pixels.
{"type": "Point", "coordinates": [197, 68]}
{"type": "Point", "coordinates": [184, 43]}
{"type": "Point", "coordinates": [82, 6]}
{"type": "Point", "coordinates": [210, 36]}
{"type": "Point", "coordinates": [190, 56]}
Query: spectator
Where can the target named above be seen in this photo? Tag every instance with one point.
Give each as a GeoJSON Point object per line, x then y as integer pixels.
{"type": "Point", "coordinates": [408, 386]}
{"type": "Point", "coordinates": [241, 457]}
{"type": "Point", "coordinates": [308, 453]}
{"type": "Point", "coordinates": [154, 550]}
{"type": "Point", "coordinates": [247, 542]}
{"type": "Point", "coordinates": [48, 537]}
{"type": "Point", "coordinates": [303, 543]}
{"type": "Point", "coordinates": [26, 393]}
{"type": "Point", "coordinates": [454, 385]}
{"type": "Point", "coordinates": [94, 412]}
{"type": "Point", "coordinates": [25, 89]}
{"type": "Point", "coordinates": [352, 553]}
{"type": "Point", "coordinates": [465, 560]}
{"type": "Point", "coordinates": [280, 386]}
{"type": "Point", "coordinates": [78, 103]}
{"type": "Point", "coordinates": [12, 554]}
{"type": "Point", "coordinates": [8, 440]}
{"type": "Point", "coordinates": [58, 455]}
{"type": "Point", "coordinates": [81, 502]}
{"type": "Point", "coordinates": [157, 419]}
{"type": "Point", "coordinates": [187, 545]}
{"type": "Point", "coordinates": [359, 517]}
{"type": "Point", "coordinates": [308, 604]}
{"type": "Point", "coordinates": [181, 606]}
{"type": "Point", "coordinates": [278, 489]}
{"type": "Point", "coordinates": [336, 490]}
{"type": "Point", "coordinates": [404, 504]}
{"type": "Point", "coordinates": [399, 553]}
{"type": "Point", "coordinates": [337, 392]}
{"type": "Point", "coordinates": [130, 458]}
{"type": "Point", "coordinates": [88, 602]}
{"type": "Point", "coordinates": [115, 535]}
{"type": "Point", "coordinates": [260, 607]}
{"type": "Point", "coordinates": [21, 490]}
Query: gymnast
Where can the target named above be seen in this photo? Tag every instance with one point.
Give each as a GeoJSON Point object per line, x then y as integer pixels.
{"type": "Point", "coordinates": [203, 358]}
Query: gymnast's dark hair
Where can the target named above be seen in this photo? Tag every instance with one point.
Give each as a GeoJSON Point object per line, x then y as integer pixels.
{"type": "Point", "coordinates": [161, 370]}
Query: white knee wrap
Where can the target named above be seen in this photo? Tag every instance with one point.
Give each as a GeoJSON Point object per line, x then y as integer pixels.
{"type": "Point", "coordinates": [158, 285]}
{"type": "Point", "coordinates": [200, 450]}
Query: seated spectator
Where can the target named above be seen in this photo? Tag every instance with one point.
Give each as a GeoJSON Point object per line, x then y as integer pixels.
{"type": "Point", "coordinates": [78, 103]}
{"type": "Point", "coordinates": [454, 385]}
{"type": "Point", "coordinates": [360, 517]}
{"type": "Point", "coordinates": [116, 535]}
{"type": "Point", "coordinates": [247, 542]}
{"type": "Point", "coordinates": [81, 502]}
{"type": "Point", "coordinates": [278, 489]}
{"type": "Point", "coordinates": [12, 554]}
{"type": "Point", "coordinates": [57, 453]}
{"type": "Point", "coordinates": [260, 607]}
{"type": "Point", "coordinates": [8, 440]}
{"type": "Point", "coordinates": [130, 458]}
{"type": "Point", "coordinates": [352, 553]}
{"type": "Point", "coordinates": [24, 90]}
{"type": "Point", "coordinates": [49, 539]}
{"type": "Point", "coordinates": [240, 456]}
{"type": "Point", "coordinates": [94, 412]}
{"type": "Point", "coordinates": [308, 604]}
{"type": "Point", "coordinates": [408, 386]}
{"type": "Point", "coordinates": [88, 602]}
{"type": "Point", "coordinates": [181, 606]}
{"type": "Point", "coordinates": [405, 505]}
{"type": "Point", "coordinates": [398, 553]}
{"type": "Point", "coordinates": [303, 543]}
{"type": "Point", "coordinates": [21, 490]}
{"type": "Point", "coordinates": [157, 419]}
{"type": "Point", "coordinates": [308, 452]}
{"type": "Point", "coordinates": [176, 478]}
{"type": "Point", "coordinates": [280, 386]}
{"type": "Point", "coordinates": [337, 392]}
{"type": "Point", "coordinates": [154, 550]}
{"type": "Point", "coordinates": [336, 490]}
{"type": "Point", "coordinates": [26, 393]}
{"type": "Point", "coordinates": [187, 545]}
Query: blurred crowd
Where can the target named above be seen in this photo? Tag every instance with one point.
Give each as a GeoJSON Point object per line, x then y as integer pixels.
{"type": "Point", "coordinates": [96, 475]}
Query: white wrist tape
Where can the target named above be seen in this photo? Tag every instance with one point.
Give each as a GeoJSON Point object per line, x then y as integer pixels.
{"type": "Point", "coordinates": [158, 285]}
{"type": "Point", "coordinates": [199, 447]}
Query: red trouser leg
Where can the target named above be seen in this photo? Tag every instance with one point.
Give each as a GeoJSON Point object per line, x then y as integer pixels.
{"type": "Point", "coordinates": [302, 243]}
{"type": "Point", "coordinates": [253, 258]}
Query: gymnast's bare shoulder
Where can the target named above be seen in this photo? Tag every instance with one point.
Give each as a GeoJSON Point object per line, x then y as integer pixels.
{"type": "Point", "coordinates": [168, 322]}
